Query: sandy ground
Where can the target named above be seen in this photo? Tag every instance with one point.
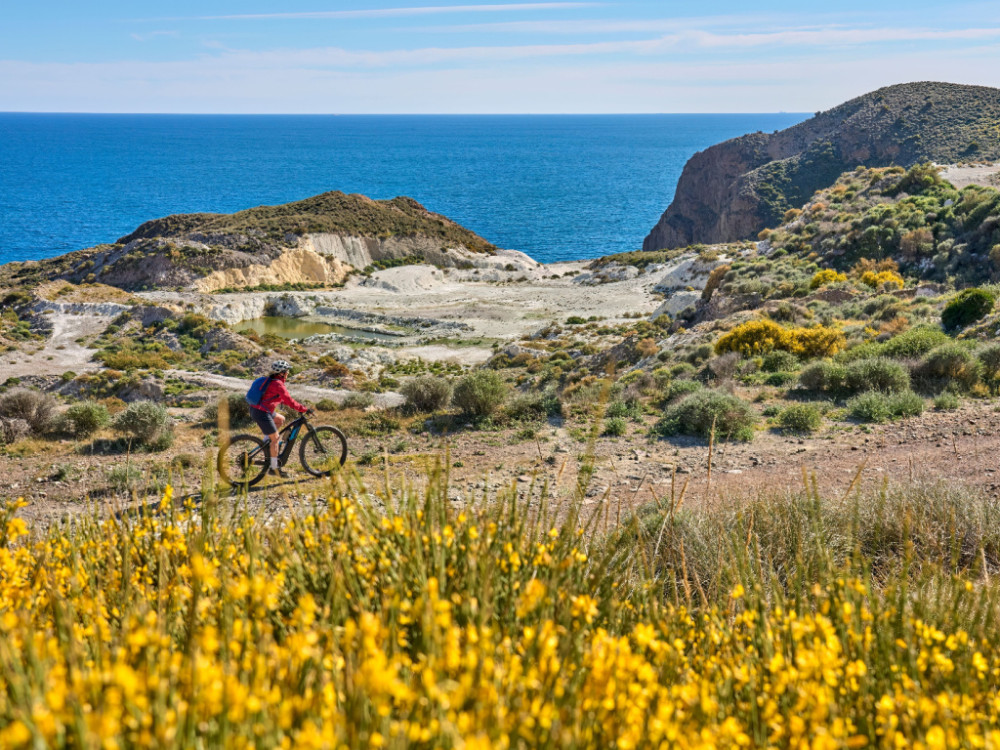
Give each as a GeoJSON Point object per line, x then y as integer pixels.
{"type": "Point", "coordinates": [493, 310]}
{"type": "Point", "coordinates": [60, 352]}
{"type": "Point", "coordinates": [980, 174]}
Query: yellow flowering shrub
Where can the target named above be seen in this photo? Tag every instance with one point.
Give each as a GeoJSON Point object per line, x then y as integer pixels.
{"type": "Point", "coordinates": [756, 337]}
{"type": "Point", "coordinates": [826, 276]}
{"type": "Point", "coordinates": [426, 626]}
{"type": "Point", "coordinates": [882, 280]}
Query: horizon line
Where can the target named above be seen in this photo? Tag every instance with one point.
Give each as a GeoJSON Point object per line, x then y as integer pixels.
{"type": "Point", "coordinates": [396, 114]}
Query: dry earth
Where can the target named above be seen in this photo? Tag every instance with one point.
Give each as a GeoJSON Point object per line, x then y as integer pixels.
{"type": "Point", "coordinates": [959, 447]}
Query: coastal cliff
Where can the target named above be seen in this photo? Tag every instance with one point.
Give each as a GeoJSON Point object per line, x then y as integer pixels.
{"type": "Point", "coordinates": [734, 189]}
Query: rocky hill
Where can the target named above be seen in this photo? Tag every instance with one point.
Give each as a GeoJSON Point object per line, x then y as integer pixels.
{"type": "Point", "coordinates": [314, 242]}
{"type": "Point", "coordinates": [734, 189]}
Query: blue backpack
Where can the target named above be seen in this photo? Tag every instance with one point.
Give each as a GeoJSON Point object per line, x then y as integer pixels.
{"type": "Point", "coordinates": [257, 390]}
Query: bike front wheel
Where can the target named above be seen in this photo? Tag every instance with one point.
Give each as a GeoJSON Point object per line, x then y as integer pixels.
{"type": "Point", "coordinates": [322, 449]}
{"type": "Point", "coordinates": [243, 461]}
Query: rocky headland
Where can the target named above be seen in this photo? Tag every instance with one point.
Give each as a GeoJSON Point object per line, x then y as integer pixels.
{"type": "Point", "coordinates": [735, 189]}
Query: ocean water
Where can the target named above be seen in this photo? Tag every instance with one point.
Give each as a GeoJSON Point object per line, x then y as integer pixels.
{"type": "Point", "coordinates": [558, 187]}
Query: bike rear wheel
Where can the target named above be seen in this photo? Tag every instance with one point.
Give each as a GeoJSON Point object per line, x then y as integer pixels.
{"type": "Point", "coordinates": [322, 449]}
{"type": "Point", "coordinates": [243, 461]}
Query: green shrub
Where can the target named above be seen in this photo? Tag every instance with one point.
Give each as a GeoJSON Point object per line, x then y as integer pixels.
{"type": "Point", "coordinates": [124, 477]}
{"type": "Point", "coordinates": [358, 400]}
{"type": "Point", "coordinates": [911, 343]}
{"type": "Point", "coordinates": [525, 406]}
{"type": "Point", "coordinates": [873, 406]}
{"type": "Point", "coordinates": [84, 419]}
{"type": "Point", "coordinates": [800, 418]}
{"type": "Point", "coordinates": [951, 365]}
{"type": "Point", "coordinates": [878, 374]}
{"type": "Point", "coordinates": [697, 414]}
{"type": "Point", "coordinates": [615, 427]}
{"type": "Point", "coordinates": [427, 393]}
{"type": "Point", "coordinates": [946, 402]}
{"type": "Point", "coordinates": [238, 408]}
{"type": "Point", "coordinates": [145, 423]}
{"type": "Point", "coordinates": [967, 307]}
{"type": "Point", "coordinates": [823, 377]}
{"type": "Point", "coordinates": [906, 404]}
{"type": "Point", "coordinates": [327, 404]}
{"type": "Point", "coordinates": [12, 429]}
{"type": "Point", "coordinates": [870, 407]}
{"type": "Point", "coordinates": [779, 361]}
{"type": "Point", "coordinates": [680, 388]}
{"type": "Point", "coordinates": [34, 407]}
{"type": "Point", "coordinates": [624, 409]}
{"type": "Point", "coordinates": [480, 394]}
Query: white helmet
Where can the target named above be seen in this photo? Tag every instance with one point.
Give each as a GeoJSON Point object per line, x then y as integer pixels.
{"type": "Point", "coordinates": [280, 365]}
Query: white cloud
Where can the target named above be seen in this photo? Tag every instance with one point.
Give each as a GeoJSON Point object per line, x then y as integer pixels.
{"type": "Point", "coordinates": [681, 44]}
{"type": "Point", "coordinates": [146, 36]}
{"type": "Point", "coordinates": [225, 84]}
{"type": "Point", "coordinates": [397, 12]}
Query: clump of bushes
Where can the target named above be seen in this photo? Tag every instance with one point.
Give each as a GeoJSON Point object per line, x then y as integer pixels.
{"type": "Point", "coordinates": [967, 307]}
{"type": "Point", "coordinates": [757, 337]}
{"type": "Point", "coordinates": [615, 427]}
{"type": "Point", "coordinates": [878, 374]}
{"type": "Point", "coordinates": [84, 419]}
{"type": "Point", "coordinates": [800, 418]}
{"type": "Point", "coordinates": [427, 393]}
{"type": "Point", "coordinates": [949, 365]}
{"type": "Point", "coordinates": [145, 423]}
{"type": "Point", "coordinates": [680, 388]}
{"type": "Point", "coordinates": [882, 280]}
{"type": "Point", "coordinates": [12, 429]}
{"type": "Point", "coordinates": [946, 402]}
{"type": "Point", "coordinates": [238, 409]}
{"type": "Point", "coordinates": [699, 413]}
{"type": "Point", "coordinates": [826, 276]}
{"type": "Point", "coordinates": [527, 406]}
{"type": "Point", "coordinates": [779, 361]}
{"type": "Point", "coordinates": [823, 377]}
{"type": "Point", "coordinates": [34, 407]}
{"type": "Point", "coordinates": [874, 406]}
{"type": "Point", "coordinates": [480, 394]}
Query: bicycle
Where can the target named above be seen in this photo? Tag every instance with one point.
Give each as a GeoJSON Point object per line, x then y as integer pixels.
{"type": "Point", "coordinates": [244, 459]}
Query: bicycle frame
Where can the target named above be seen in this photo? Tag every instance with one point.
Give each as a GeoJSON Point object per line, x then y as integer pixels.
{"type": "Point", "coordinates": [288, 435]}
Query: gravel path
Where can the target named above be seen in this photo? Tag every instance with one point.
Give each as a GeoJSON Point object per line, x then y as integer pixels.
{"type": "Point", "coordinates": [299, 392]}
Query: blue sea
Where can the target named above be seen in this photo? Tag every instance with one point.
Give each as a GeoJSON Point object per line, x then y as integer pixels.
{"type": "Point", "coordinates": [558, 187]}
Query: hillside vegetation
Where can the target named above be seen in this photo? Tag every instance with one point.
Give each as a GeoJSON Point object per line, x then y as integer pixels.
{"type": "Point", "coordinates": [328, 213]}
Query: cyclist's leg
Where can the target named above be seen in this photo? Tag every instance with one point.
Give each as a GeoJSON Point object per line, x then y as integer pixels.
{"type": "Point", "coordinates": [270, 425]}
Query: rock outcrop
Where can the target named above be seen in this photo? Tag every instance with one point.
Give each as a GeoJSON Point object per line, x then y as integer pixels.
{"type": "Point", "coordinates": [734, 189]}
{"type": "Point", "coordinates": [315, 242]}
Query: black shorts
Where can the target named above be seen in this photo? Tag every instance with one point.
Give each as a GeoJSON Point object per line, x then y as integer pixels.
{"type": "Point", "coordinates": [264, 420]}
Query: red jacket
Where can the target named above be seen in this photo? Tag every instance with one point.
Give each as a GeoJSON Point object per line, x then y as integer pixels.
{"type": "Point", "coordinates": [276, 393]}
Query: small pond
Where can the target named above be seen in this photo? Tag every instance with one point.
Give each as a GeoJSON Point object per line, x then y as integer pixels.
{"type": "Point", "coordinates": [299, 328]}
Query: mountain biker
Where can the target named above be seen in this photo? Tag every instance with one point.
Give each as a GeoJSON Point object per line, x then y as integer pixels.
{"type": "Point", "coordinates": [264, 414]}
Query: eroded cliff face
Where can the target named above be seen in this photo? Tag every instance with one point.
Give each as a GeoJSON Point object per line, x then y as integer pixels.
{"type": "Point", "coordinates": [734, 189]}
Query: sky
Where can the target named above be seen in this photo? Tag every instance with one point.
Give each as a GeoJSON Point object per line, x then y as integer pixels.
{"type": "Point", "coordinates": [438, 57]}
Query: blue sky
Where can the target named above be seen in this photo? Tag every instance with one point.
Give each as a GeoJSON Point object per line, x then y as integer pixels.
{"type": "Point", "coordinates": [399, 56]}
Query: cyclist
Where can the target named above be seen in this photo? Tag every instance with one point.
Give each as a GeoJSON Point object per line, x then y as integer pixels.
{"type": "Point", "coordinates": [264, 414]}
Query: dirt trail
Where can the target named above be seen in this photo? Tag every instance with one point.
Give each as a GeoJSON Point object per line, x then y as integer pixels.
{"type": "Point", "coordinates": [60, 352]}
{"type": "Point", "coordinates": [299, 392]}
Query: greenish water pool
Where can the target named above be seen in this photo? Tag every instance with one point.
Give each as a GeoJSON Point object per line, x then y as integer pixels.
{"type": "Point", "coordinates": [297, 328]}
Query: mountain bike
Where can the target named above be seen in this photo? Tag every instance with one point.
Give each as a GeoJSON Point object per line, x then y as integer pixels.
{"type": "Point", "coordinates": [244, 459]}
